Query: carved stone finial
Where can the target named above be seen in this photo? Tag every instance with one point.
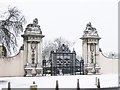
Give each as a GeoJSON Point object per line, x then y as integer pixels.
{"type": "Point", "coordinates": [33, 27]}
{"type": "Point", "coordinates": [89, 25]}
{"type": "Point", "coordinates": [35, 21]}
{"type": "Point", "coordinates": [90, 30]}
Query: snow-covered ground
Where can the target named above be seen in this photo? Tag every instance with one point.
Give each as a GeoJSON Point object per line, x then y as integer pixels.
{"type": "Point", "coordinates": [86, 81]}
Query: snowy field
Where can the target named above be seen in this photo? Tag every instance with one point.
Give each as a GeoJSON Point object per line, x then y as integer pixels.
{"type": "Point", "coordinates": [86, 81]}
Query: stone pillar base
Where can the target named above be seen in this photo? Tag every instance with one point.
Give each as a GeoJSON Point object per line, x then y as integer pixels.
{"type": "Point", "coordinates": [39, 72]}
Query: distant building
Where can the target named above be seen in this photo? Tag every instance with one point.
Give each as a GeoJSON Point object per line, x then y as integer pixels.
{"type": "Point", "coordinates": [63, 61]}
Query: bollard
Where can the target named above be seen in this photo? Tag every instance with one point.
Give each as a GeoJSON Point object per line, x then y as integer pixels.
{"type": "Point", "coordinates": [33, 87]}
{"type": "Point", "coordinates": [78, 85]}
{"type": "Point", "coordinates": [9, 86]}
{"type": "Point", "coordinates": [57, 86]}
{"type": "Point", "coordinates": [98, 83]}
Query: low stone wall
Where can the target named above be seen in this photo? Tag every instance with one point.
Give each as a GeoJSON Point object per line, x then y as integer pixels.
{"type": "Point", "coordinates": [108, 65]}
{"type": "Point", "coordinates": [12, 66]}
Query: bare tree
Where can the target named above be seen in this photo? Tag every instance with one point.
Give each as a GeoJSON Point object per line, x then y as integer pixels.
{"type": "Point", "coordinates": [59, 41]}
{"type": "Point", "coordinates": [49, 45]}
{"type": "Point", "coordinates": [10, 28]}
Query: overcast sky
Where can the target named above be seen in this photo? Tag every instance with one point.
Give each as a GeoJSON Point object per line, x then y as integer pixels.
{"type": "Point", "coordinates": [68, 19]}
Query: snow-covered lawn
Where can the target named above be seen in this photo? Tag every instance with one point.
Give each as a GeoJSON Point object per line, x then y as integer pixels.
{"type": "Point", "coordinates": [86, 81]}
